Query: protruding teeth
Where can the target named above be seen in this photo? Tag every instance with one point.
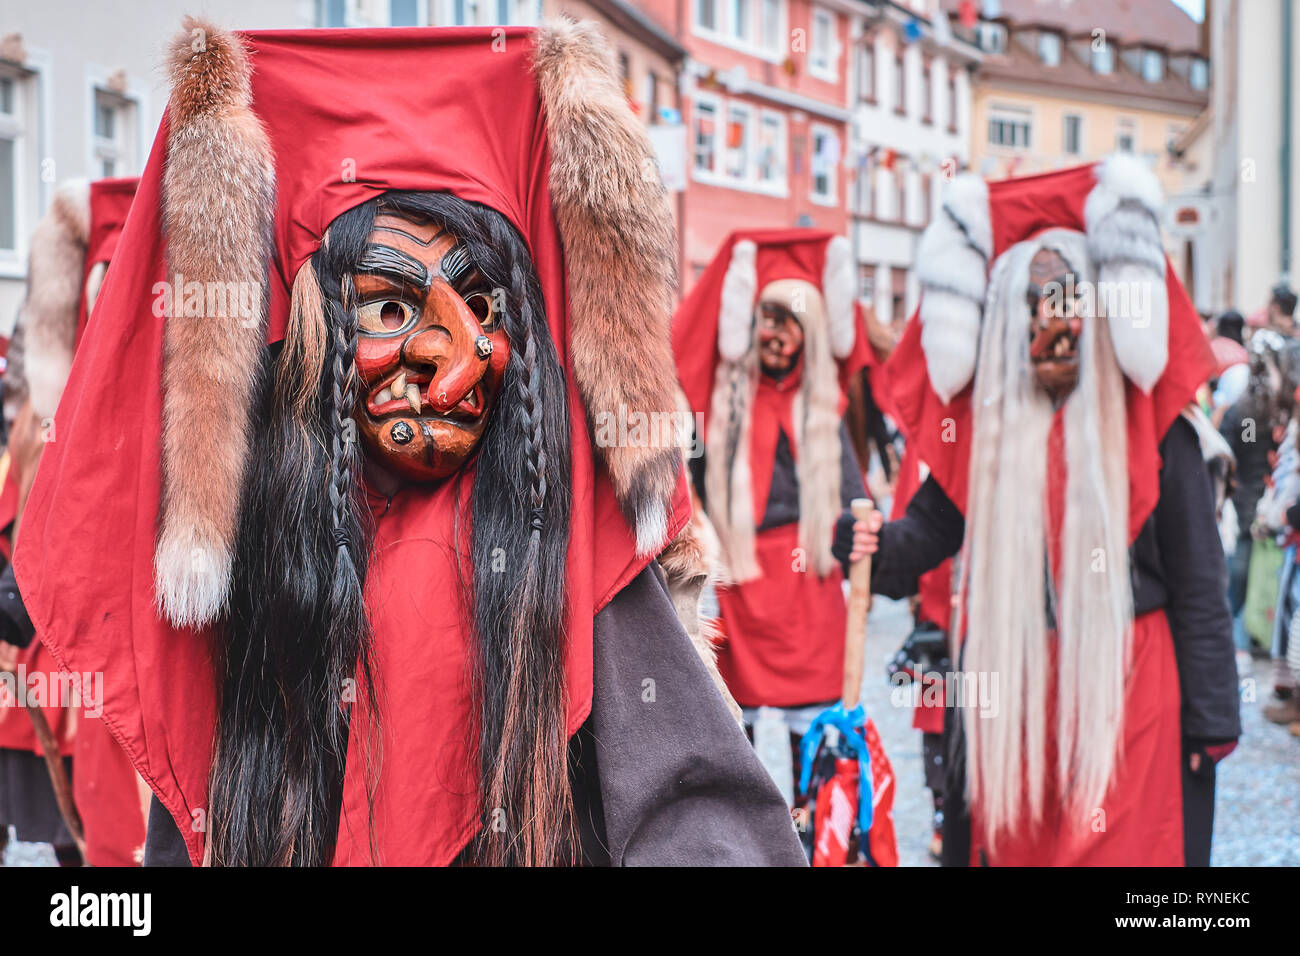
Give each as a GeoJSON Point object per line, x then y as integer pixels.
{"type": "Point", "coordinates": [384, 397]}
{"type": "Point", "coordinates": [472, 397]}
{"type": "Point", "coordinates": [399, 384]}
{"type": "Point", "coordinates": [413, 396]}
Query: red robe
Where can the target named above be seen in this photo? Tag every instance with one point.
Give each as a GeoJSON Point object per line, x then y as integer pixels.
{"type": "Point", "coordinates": [785, 629]}
{"type": "Point", "coordinates": [1142, 821]}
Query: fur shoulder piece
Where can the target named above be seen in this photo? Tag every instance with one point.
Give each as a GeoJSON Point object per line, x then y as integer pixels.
{"type": "Point", "coordinates": [1123, 221]}
{"type": "Point", "coordinates": [218, 201]}
{"type": "Point", "coordinates": [837, 290]}
{"type": "Point", "coordinates": [952, 261]}
{"type": "Point", "coordinates": [620, 252]}
{"type": "Point", "coordinates": [49, 313]}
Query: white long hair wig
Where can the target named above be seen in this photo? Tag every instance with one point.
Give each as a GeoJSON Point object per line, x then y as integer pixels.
{"type": "Point", "coordinates": [1007, 574]}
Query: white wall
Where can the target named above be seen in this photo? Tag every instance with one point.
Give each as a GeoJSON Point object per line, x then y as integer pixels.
{"type": "Point", "coordinates": [74, 44]}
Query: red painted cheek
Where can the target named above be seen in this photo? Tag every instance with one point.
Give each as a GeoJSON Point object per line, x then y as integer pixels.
{"type": "Point", "coordinates": [496, 365]}
{"type": "Point", "coordinates": [375, 357]}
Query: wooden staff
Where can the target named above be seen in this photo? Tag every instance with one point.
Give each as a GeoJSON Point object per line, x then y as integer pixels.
{"type": "Point", "coordinates": [58, 777]}
{"type": "Point", "coordinates": [855, 634]}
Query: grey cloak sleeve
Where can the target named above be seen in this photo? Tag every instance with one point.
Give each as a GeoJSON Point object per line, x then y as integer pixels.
{"type": "Point", "coordinates": [679, 783]}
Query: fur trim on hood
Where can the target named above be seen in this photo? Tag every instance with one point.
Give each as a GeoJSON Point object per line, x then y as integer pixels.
{"type": "Point", "coordinates": [47, 324]}
{"type": "Point", "coordinates": [218, 202]}
{"type": "Point", "coordinates": [620, 247]}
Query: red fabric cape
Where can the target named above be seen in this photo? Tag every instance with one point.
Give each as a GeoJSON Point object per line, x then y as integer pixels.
{"type": "Point", "coordinates": [104, 784]}
{"type": "Point", "coordinates": [1021, 208]}
{"type": "Point", "coordinates": [350, 114]}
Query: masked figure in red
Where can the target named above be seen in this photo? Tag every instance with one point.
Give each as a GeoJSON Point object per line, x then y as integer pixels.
{"type": "Point", "coordinates": [764, 345]}
{"type": "Point", "coordinates": [389, 595]}
{"type": "Point", "coordinates": [70, 252]}
{"type": "Point", "coordinates": [1045, 385]}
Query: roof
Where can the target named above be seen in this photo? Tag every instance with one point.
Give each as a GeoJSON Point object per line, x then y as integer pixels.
{"type": "Point", "coordinates": [627, 17]}
{"type": "Point", "coordinates": [1020, 65]}
{"type": "Point", "coordinates": [1160, 23]}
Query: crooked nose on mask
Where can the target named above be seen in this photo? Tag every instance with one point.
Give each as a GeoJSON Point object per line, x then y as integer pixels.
{"type": "Point", "coordinates": [448, 348]}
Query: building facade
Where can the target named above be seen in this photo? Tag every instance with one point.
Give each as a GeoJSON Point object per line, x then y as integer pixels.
{"type": "Point", "coordinates": [81, 96]}
{"type": "Point", "coordinates": [911, 96]}
{"type": "Point", "coordinates": [82, 90]}
{"type": "Point", "coordinates": [764, 102]}
{"type": "Point", "coordinates": [1063, 84]}
{"type": "Point", "coordinates": [1253, 130]}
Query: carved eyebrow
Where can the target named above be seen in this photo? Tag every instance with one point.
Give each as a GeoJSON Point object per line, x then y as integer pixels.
{"type": "Point", "coordinates": [394, 262]}
{"type": "Point", "coordinates": [456, 263]}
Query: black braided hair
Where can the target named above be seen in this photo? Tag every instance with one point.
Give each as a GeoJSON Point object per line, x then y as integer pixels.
{"type": "Point", "coordinates": [520, 536]}
{"type": "Point", "coordinates": [297, 637]}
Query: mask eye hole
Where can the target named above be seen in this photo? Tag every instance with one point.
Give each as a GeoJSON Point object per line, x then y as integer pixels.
{"type": "Point", "coordinates": [385, 317]}
{"type": "Point", "coordinates": [484, 308]}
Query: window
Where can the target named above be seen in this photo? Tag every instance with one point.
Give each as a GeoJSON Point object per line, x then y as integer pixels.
{"type": "Point", "coordinates": [468, 13]}
{"type": "Point", "coordinates": [755, 25]}
{"type": "Point", "coordinates": [10, 133]}
{"type": "Point", "coordinates": [1125, 136]}
{"type": "Point", "coordinates": [706, 136]}
{"type": "Point", "coordinates": [1153, 66]}
{"type": "Point", "coordinates": [821, 58]}
{"type": "Point", "coordinates": [927, 94]}
{"type": "Point", "coordinates": [952, 101]}
{"type": "Point", "coordinates": [625, 74]}
{"type": "Point", "coordinates": [927, 191]}
{"type": "Point", "coordinates": [652, 96]}
{"type": "Point", "coordinates": [706, 14]}
{"type": "Point", "coordinates": [403, 13]}
{"type": "Point", "coordinates": [377, 13]}
{"type": "Point", "coordinates": [772, 146]}
{"type": "Point", "coordinates": [738, 24]}
{"type": "Point", "coordinates": [1073, 134]}
{"type": "Point", "coordinates": [825, 159]}
{"type": "Point", "coordinates": [748, 150]}
{"type": "Point", "coordinates": [991, 37]}
{"type": "Point", "coordinates": [112, 134]}
{"type": "Point", "coordinates": [1049, 48]}
{"type": "Point", "coordinates": [1199, 74]}
{"type": "Point", "coordinates": [738, 141]}
{"type": "Point", "coordinates": [771, 39]}
{"type": "Point", "coordinates": [867, 70]}
{"type": "Point", "coordinates": [867, 283]}
{"type": "Point", "coordinates": [1008, 128]}
{"type": "Point", "coordinates": [1103, 59]}
{"type": "Point", "coordinates": [900, 87]}
{"type": "Point", "coordinates": [898, 298]}
{"type": "Point", "coordinates": [864, 188]}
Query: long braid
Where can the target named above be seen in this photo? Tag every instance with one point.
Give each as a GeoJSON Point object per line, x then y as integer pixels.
{"type": "Point", "coordinates": [523, 740]}
{"type": "Point", "coordinates": [529, 392]}
{"type": "Point", "coordinates": [344, 462]}
{"type": "Point", "coordinates": [298, 639]}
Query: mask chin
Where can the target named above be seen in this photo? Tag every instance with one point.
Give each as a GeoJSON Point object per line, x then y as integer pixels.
{"type": "Point", "coordinates": [778, 367]}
